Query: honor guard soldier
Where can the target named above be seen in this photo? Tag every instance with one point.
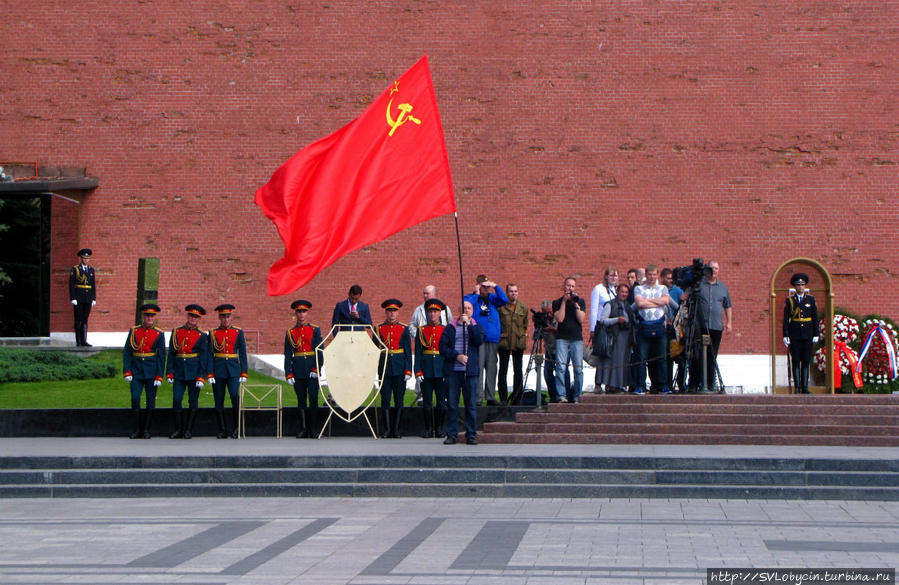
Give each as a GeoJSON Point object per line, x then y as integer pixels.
{"type": "Point", "coordinates": [800, 330]}
{"type": "Point", "coordinates": [429, 368]}
{"type": "Point", "coordinates": [187, 368]}
{"type": "Point", "coordinates": [83, 295]}
{"type": "Point", "coordinates": [300, 367]}
{"type": "Point", "coordinates": [143, 365]}
{"type": "Point", "coordinates": [229, 368]}
{"type": "Point", "coordinates": [395, 336]}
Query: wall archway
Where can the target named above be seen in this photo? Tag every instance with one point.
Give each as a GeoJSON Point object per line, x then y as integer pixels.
{"type": "Point", "coordinates": [825, 286]}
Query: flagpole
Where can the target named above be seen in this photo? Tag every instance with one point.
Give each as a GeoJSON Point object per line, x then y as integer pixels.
{"type": "Point", "coordinates": [459, 248]}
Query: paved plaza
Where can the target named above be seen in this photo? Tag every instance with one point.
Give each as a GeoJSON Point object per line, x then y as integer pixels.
{"type": "Point", "coordinates": [378, 541]}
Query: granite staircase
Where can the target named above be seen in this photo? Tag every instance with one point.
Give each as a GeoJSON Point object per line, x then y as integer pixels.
{"type": "Point", "coordinates": [465, 474]}
{"type": "Point", "coordinates": [715, 419]}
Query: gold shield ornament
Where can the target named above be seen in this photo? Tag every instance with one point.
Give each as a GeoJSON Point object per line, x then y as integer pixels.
{"type": "Point", "coordinates": [351, 370]}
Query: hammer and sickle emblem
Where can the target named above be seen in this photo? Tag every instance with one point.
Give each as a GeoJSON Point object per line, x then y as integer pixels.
{"type": "Point", "coordinates": [404, 117]}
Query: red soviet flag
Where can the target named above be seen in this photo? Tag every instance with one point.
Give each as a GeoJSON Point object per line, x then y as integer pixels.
{"type": "Point", "coordinates": [385, 171]}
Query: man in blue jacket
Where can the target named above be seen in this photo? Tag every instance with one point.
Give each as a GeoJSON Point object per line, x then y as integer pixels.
{"type": "Point", "coordinates": [486, 300]}
{"type": "Point", "coordinates": [459, 347]}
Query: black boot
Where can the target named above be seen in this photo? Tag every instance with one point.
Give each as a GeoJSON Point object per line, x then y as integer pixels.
{"type": "Point", "coordinates": [804, 373]}
{"type": "Point", "coordinates": [146, 432]}
{"type": "Point", "coordinates": [135, 421]}
{"type": "Point", "coordinates": [428, 415]}
{"type": "Point", "coordinates": [385, 415]}
{"type": "Point", "coordinates": [301, 418]}
{"type": "Point", "coordinates": [220, 420]}
{"type": "Point", "coordinates": [310, 424]}
{"type": "Point", "coordinates": [180, 422]}
{"type": "Point", "coordinates": [439, 416]}
{"type": "Point", "coordinates": [797, 380]}
{"type": "Point", "coordinates": [397, 418]}
{"type": "Point", "coordinates": [189, 429]}
{"type": "Point", "coordinates": [235, 416]}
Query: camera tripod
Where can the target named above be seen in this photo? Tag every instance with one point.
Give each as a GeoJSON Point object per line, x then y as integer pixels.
{"type": "Point", "coordinates": [695, 341]}
{"type": "Point", "coordinates": [535, 363]}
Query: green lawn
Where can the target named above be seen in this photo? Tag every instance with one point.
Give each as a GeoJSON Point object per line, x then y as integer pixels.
{"type": "Point", "coordinates": [114, 392]}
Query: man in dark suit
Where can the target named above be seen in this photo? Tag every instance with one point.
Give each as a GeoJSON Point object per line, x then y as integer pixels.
{"type": "Point", "coordinates": [800, 330]}
{"type": "Point", "coordinates": [351, 313]}
{"type": "Point", "coordinates": [83, 294]}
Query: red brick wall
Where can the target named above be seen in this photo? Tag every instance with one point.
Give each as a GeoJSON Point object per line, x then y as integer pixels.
{"type": "Point", "coordinates": [579, 133]}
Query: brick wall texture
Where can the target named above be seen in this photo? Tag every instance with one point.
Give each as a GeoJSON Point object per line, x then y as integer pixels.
{"type": "Point", "coordinates": [580, 134]}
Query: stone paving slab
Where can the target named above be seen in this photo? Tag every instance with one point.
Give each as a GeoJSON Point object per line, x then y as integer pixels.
{"type": "Point", "coordinates": [432, 541]}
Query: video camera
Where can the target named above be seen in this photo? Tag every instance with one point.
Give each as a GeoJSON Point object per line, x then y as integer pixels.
{"type": "Point", "coordinates": [540, 319]}
{"type": "Point", "coordinates": [686, 277]}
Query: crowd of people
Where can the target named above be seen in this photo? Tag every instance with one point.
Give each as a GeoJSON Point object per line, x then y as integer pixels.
{"type": "Point", "coordinates": [632, 341]}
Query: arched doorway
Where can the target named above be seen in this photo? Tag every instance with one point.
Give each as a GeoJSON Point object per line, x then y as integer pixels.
{"type": "Point", "coordinates": [780, 288]}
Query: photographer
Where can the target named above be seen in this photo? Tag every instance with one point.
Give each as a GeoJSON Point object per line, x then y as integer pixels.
{"type": "Point", "coordinates": [570, 311]}
{"type": "Point", "coordinates": [545, 329]}
{"type": "Point", "coordinates": [486, 299]}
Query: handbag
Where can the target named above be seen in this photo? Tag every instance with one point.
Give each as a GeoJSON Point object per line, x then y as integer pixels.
{"type": "Point", "coordinates": [602, 341]}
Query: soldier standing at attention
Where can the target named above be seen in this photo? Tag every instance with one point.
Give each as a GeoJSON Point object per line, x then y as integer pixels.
{"type": "Point", "coordinates": [83, 295]}
{"type": "Point", "coordinates": [229, 368]}
{"type": "Point", "coordinates": [395, 336]}
{"type": "Point", "coordinates": [187, 368]}
{"type": "Point", "coordinates": [800, 330]}
{"type": "Point", "coordinates": [429, 368]}
{"type": "Point", "coordinates": [143, 365]}
{"type": "Point", "coordinates": [300, 367]}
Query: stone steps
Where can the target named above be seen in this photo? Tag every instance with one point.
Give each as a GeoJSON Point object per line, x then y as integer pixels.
{"type": "Point", "coordinates": [463, 475]}
{"type": "Point", "coordinates": [846, 420]}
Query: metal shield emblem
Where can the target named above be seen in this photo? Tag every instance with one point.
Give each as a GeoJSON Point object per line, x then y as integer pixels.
{"type": "Point", "coordinates": [351, 368]}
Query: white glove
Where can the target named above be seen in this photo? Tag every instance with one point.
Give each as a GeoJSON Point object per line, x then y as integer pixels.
{"type": "Point", "coordinates": [211, 380]}
{"type": "Point", "coordinates": [291, 381]}
{"type": "Point", "coordinates": [170, 380]}
{"type": "Point", "coordinates": [199, 384]}
{"type": "Point", "coordinates": [157, 383]}
{"type": "Point", "coordinates": [407, 377]}
{"type": "Point", "coordinates": [74, 302]}
{"type": "Point", "coordinates": [242, 379]}
{"type": "Point", "coordinates": [93, 303]}
{"type": "Point", "coordinates": [313, 376]}
{"type": "Point", "coordinates": [419, 379]}
{"type": "Point", "coordinates": [786, 342]}
{"type": "Point", "coordinates": [128, 378]}
{"type": "Point", "coordinates": [815, 339]}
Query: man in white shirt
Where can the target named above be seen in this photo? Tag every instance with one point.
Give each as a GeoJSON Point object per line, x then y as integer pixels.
{"type": "Point", "coordinates": [652, 300]}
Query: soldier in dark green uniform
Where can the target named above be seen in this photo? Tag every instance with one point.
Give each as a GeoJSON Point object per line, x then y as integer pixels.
{"type": "Point", "coordinates": [800, 330]}
{"type": "Point", "coordinates": [429, 368]}
{"type": "Point", "coordinates": [143, 365]}
{"type": "Point", "coordinates": [300, 367]}
{"type": "Point", "coordinates": [187, 368]}
{"type": "Point", "coordinates": [229, 368]}
{"type": "Point", "coordinates": [398, 371]}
